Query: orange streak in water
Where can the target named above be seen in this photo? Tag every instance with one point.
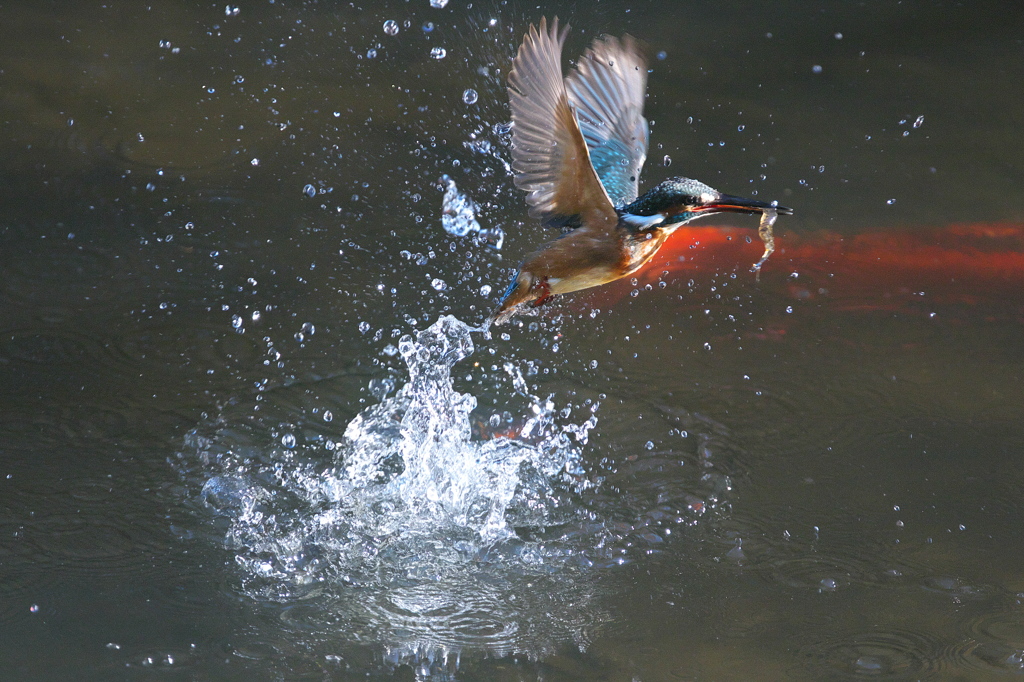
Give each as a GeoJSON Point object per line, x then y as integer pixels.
{"type": "Point", "coordinates": [972, 264]}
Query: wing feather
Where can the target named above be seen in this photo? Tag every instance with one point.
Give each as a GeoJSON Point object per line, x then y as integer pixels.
{"type": "Point", "coordinates": [607, 92]}
{"type": "Point", "coordinates": [549, 152]}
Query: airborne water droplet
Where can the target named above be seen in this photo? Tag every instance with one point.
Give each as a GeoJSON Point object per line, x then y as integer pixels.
{"type": "Point", "coordinates": [469, 96]}
{"type": "Point", "coordinates": [438, 52]}
{"type": "Point", "coordinates": [391, 27]}
{"type": "Point", "coordinates": [438, 4]}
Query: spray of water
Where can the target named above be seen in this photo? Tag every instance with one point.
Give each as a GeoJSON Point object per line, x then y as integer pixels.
{"type": "Point", "coordinates": [407, 530]}
{"type": "Point", "coordinates": [427, 523]}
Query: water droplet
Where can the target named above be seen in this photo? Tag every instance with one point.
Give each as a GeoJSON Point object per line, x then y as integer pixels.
{"type": "Point", "coordinates": [230, 11]}
{"type": "Point", "coordinates": [816, 68]}
{"type": "Point", "coordinates": [328, 416]}
{"type": "Point", "coordinates": [438, 4]}
{"type": "Point", "coordinates": [438, 52]}
{"type": "Point", "coordinates": [439, 284]}
{"type": "Point", "coordinates": [308, 328]}
{"type": "Point", "coordinates": [236, 321]}
{"type": "Point", "coordinates": [469, 96]}
{"type": "Point", "coordinates": [838, 36]}
{"type": "Point", "coordinates": [649, 445]}
{"type": "Point", "coordinates": [371, 53]}
{"type": "Point", "coordinates": [458, 212]}
{"type": "Point", "coordinates": [667, 161]}
{"type": "Point", "coordinates": [485, 290]}
{"type": "Point", "coordinates": [919, 121]}
{"type": "Point", "coordinates": [391, 27]}
{"type": "Point", "coordinates": [662, 56]}
{"type": "Point", "coordinates": [428, 26]}
{"type": "Point", "coordinates": [890, 201]}
{"type": "Point", "coordinates": [364, 326]}
{"type": "Point", "coordinates": [288, 440]}
{"type": "Point", "coordinates": [309, 191]}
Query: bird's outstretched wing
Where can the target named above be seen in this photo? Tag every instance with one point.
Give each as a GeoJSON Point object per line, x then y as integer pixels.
{"type": "Point", "coordinates": [549, 152]}
{"type": "Point", "coordinates": [607, 92]}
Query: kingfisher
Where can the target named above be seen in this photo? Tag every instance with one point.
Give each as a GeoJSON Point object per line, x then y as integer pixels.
{"type": "Point", "coordinates": [578, 145]}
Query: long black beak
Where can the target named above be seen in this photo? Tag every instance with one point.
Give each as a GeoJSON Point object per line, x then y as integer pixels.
{"type": "Point", "coordinates": [727, 202]}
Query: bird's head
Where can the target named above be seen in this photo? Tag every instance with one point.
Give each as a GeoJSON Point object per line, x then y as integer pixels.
{"type": "Point", "coordinates": [680, 200]}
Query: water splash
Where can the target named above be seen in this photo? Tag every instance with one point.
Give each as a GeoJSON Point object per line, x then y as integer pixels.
{"type": "Point", "coordinates": [407, 530]}
{"type": "Point", "coordinates": [410, 509]}
{"type": "Point", "coordinates": [458, 216]}
{"type": "Point", "coordinates": [415, 451]}
{"type": "Point", "coordinates": [458, 212]}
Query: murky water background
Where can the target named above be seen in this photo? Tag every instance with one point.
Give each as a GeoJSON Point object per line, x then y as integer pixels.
{"type": "Point", "coordinates": [224, 252]}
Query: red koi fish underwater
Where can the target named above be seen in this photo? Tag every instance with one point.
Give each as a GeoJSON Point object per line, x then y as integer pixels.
{"type": "Point", "coordinates": [977, 266]}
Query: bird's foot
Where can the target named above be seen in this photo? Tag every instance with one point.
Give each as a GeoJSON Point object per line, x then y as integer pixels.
{"type": "Point", "coordinates": [545, 294]}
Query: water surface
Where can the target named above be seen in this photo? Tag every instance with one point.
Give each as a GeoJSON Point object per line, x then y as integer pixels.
{"type": "Point", "coordinates": [240, 439]}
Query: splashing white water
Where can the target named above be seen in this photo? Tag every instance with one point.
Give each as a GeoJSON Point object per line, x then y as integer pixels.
{"type": "Point", "coordinates": [415, 452]}
{"type": "Point", "coordinates": [413, 533]}
{"type": "Point", "coordinates": [409, 491]}
{"type": "Point", "coordinates": [458, 216]}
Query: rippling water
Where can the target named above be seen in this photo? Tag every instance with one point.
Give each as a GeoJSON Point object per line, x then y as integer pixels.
{"type": "Point", "coordinates": [247, 431]}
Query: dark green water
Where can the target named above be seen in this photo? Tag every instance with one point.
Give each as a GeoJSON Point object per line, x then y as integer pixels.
{"type": "Point", "coordinates": [845, 504]}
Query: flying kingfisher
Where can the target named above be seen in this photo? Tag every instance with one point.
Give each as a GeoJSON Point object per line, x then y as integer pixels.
{"type": "Point", "coordinates": [578, 145]}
